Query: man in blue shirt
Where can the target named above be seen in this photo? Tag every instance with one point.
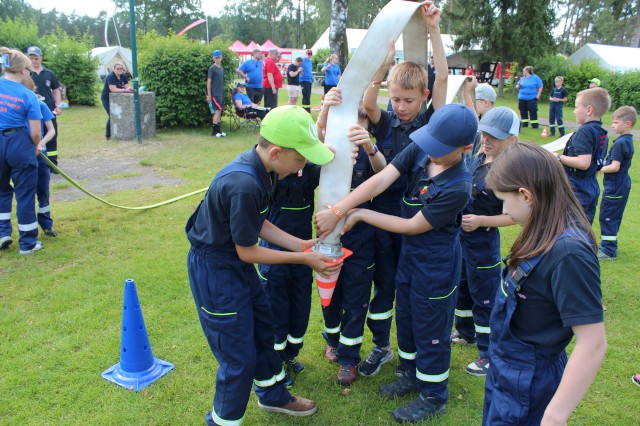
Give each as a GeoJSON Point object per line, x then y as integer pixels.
{"type": "Point", "coordinates": [251, 71]}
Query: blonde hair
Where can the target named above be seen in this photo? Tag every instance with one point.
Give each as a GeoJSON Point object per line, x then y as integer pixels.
{"type": "Point", "coordinates": [529, 69]}
{"type": "Point", "coordinates": [596, 97]}
{"type": "Point", "coordinates": [409, 76]}
{"type": "Point", "coordinates": [560, 78]}
{"type": "Point", "coordinates": [16, 59]}
{"type": "Point", "coordinates": [626, 113]}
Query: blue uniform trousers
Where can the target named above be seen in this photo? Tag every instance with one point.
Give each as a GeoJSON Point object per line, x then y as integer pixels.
{"type": "Point", "coordinates": [481, 279]}
{"type": "Point", "coordinates": [614, 201]}
{"type": "Point", "coordinates": [522, 378]}
{"type": "Point", "coordinates": [42, 193]}
{"type": "Point", "coordinates": [555, 116]}
{"type": "Point", "coordinates": [344, 318]}
{"type": "Point", "coordinates": [426, 291]}
{"type": "Point", "coordinates": [288, 288]}
{"type": "Point", "coordinates": [18, 164]}
{"type": "Point", "coordinates": [587, 191]}
{"type": "Point", "coordinates": [387, 247]}
{"type": "Point", "coordinates": [236, 319]}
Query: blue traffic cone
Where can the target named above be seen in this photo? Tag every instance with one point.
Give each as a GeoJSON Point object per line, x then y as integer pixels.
{"type": "Point", "coordinates": [137, 367]}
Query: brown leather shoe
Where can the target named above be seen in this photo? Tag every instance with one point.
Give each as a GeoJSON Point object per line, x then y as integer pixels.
{"type": "Point", "coordinates": [298, 406]}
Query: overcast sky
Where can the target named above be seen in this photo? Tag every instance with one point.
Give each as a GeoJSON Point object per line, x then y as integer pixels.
{"type": "Point", "coordinates": [94, 7]}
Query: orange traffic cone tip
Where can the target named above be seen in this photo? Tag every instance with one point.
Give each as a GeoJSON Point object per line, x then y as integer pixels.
{"type": "Point", "coordinates": [544, 133]}
{"type": "Point", "coordinates": [326, 285]}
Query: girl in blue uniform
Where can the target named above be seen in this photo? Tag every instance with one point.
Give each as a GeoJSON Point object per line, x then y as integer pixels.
{"type": "Point", "coordinates": [480, 238]}
{"type": "Point", "coordinates": [549, 293]}
{"type": "Point", "coordinates": [18, 150]}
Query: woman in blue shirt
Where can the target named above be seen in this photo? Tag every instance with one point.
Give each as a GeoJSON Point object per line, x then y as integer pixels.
{"type": "Point", "coordinates": [332, 72]}
{"type": "Point", "coordinates": [18, 150]}
{"type": "Point", "coordinates": [530, 89]}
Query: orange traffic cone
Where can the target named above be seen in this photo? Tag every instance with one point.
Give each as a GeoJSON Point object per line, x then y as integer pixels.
{"type": "Point", "coordinates": [326, 285]}
{"type": "Point", "coordinates": [544, 132]}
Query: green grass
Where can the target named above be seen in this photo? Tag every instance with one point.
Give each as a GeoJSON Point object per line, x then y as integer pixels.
{"type": "Point", "coordinates": [61, 308]}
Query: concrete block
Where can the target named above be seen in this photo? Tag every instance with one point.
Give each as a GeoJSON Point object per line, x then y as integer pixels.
{"type": "Point", "coordinates": [123, 116]}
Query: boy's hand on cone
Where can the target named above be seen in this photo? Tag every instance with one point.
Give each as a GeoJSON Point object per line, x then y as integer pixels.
{"type": "Point", "coordinates": [322, 264]}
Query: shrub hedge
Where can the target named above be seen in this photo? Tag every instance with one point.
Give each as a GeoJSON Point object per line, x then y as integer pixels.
{"type": "Point", "coordinates": [175, 68]}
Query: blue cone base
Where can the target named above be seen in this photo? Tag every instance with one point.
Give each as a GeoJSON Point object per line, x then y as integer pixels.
{"type": "Point", "coordinates": [139, 379]}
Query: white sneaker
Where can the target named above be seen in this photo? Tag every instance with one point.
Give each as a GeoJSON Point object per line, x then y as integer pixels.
{"type": "Point", "coordinates": [35, 248]}
{"type": "Point", "coordinates": [5, 242]}
{"type": "Point", "coordinates": [221, 135]}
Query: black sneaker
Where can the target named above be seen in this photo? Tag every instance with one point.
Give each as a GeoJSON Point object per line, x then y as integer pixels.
{"type": "Point", "coordinates": [401, 387]}
{"type": "Point", "coordinates": [376, 359]}
{"type": "Point", "coordinates": [288, 381]}
{"type": "Point", "coordinates": [400, 370]}
{"type": "Point", "coordinates": [50, 232]}
{"type": "Point", "coordinates": [5, 242]}
{"type": "Point", "coordinates": [423, 407]}
{"type": "Point", "coordinates": [294, 365]}
{"type": "Point", "coordinates": [459, 339]}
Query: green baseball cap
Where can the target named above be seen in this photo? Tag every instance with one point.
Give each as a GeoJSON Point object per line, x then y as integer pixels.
{"type": "Point", "coordinates": [596, 81]}
{"type": "Point", "coordinates": [290, 126]}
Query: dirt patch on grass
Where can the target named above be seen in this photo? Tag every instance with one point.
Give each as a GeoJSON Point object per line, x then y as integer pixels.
{"type": "Point", "coordinates": [107, 171]}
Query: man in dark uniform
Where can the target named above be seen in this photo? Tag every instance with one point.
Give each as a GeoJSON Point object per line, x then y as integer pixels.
{"type": "Point", "coordinates": [48, 86]}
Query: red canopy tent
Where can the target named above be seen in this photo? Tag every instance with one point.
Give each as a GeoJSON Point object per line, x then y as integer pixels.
{"type": "Point", "coordinates": [252, 45]}
{"type": "Point", "coordinates": [240, 48]}
{"type": "Point", "coordinates": [268, 45]}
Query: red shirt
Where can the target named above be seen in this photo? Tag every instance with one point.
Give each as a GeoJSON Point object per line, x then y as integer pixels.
{"type": "Point", "coordinates": [269, 66]}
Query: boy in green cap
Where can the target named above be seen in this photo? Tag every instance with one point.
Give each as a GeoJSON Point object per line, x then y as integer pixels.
{"type": "Point", "coordinates": [223, 231]}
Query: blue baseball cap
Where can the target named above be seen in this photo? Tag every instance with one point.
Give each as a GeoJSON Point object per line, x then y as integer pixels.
{"type": "Point", "coordinates": [217, 54]}
{"type": "Point", "coordinates": [450, 127]}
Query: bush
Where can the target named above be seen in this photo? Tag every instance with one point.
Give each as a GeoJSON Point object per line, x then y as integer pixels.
{"type": "Point", "coordinates": [623, 88]}
{"type": "Point", "coordinates": [175, 68]}
{"type": "Point", "coordinates": [18, 34]}
{"type": "Point", "coordinates": [70, 59]}
{"type": "Point", "coordinates": [578, 77]}
{"type": "Point", "coordinates": [548, 68]}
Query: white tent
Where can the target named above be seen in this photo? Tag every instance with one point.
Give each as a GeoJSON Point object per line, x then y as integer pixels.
{"type": "Point", "coordinates": [355, 37]}
{"type": "Point", "coordinates": [613, 58]}
{"type": "Point", "coordinates": [108, 56]}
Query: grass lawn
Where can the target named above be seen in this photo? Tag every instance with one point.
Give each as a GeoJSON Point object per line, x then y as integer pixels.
{"type": "Point", "coordinates": [61, 308]}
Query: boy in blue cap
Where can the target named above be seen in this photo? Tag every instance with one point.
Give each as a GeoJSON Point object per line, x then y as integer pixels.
{"type": "Point", "coordinates": [215, 93]}
{"type": "Point", "coordinates": [223, 231]}
{"type": "Point", "coordinates": [430, 261]}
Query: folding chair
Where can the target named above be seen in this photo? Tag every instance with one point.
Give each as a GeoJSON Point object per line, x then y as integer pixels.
{"type": "Point", "coordinates": [241, 119]}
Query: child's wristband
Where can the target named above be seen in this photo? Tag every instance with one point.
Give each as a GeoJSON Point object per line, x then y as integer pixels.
{"type": "Point", "coordinates": [304, 246]}
{"type": "Point", "coordinates": [376, 83]}
{"type": "Point", "coordinates": [336, 211]}
{"type": "Point", "coordinates": [320, 125]}
{"type": "Point", "coordinates": [469, 104]}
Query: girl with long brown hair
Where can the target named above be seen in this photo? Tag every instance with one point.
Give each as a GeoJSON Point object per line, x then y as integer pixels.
{"type": "Point", "coordinates": [549, 293]}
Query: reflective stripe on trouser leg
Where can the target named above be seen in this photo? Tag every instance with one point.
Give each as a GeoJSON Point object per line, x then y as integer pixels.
{"type": "Point", "coordinates": [463, 313]}
{"type": "Point", "coordinates": [230, 333]}
{"type": "Point", "coordinates": [611, 212]}
{"type": "Point", "coordinates": [387, 248]}
{"type": "Point", "coordinates": [25, 179]}
{"type": "Point", "coordinates": [355, 285]}
{"type": "Point", "coordinates": [481, 251]}
{"type": "Point", "coordinates": [42, 195]}
{"type": "Point", "coordinates": [269, 374]}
